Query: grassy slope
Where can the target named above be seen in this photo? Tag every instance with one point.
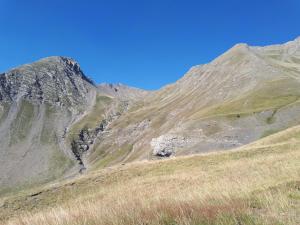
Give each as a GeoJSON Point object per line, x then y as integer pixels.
{"type": "Point", "coordinates": [22, 123]}
{"type": "Point", "coordinates": [257, 184]}
{"type": "Point", "coordinates": [59, 163]}
{"type": "Point", "coordinates": [93, 118]}
{"type": "Point", "coordinates": [279, 92]}
{"type": "Point", "coordinates": [273, 95]}
{"type": "Point", "coordinates": [4, 109]}
{"type": "Point", "coordinates": [21, 128]}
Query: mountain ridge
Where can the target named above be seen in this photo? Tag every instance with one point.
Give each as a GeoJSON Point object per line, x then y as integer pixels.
{"type": "Point", "coordinates": [51, 112]}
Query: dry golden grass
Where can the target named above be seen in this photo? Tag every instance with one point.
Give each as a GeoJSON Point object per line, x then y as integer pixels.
{"type": "Point", "coordinates": [257, 184]}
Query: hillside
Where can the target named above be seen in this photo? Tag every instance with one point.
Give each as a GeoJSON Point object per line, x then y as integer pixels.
{"type": "Point", "coordinates": [38, 101]}
{"type": "Point", "coordinates": [255, 184]}
{"type": "Point", "coordinates": [44, 109]}
{"type": "Point", "coordinates": [56, 124]}
{"type": "Point", "coordinates": [122, 91]}
{"type": "Point", "coordinates": [245, 94]}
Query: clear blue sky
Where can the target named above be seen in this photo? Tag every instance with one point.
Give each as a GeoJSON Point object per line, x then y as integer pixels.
{"type": "Point", "coordinates": [142, 43]}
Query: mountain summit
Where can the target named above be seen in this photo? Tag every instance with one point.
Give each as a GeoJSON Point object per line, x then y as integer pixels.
{"type": "Point", "coordinates": [37, 103]}
{"type": "Point", "coordinates": [55, 80]}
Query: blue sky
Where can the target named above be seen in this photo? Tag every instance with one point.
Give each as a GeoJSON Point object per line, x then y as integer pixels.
{"type": "Point", "coordinates": [142, 43]}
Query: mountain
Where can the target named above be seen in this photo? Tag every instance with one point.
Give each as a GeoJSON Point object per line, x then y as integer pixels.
{"type": "Point", "coordinates": [39, 105]}
{"type": "Point", "coordinates": [245, 94]}
{"type": "Point", "coordinates": [38, 102]}
{"type": "Point", "coordinates": [55, 122]}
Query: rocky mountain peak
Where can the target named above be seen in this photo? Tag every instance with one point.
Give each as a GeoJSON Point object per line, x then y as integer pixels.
{"type": "Point", "coordinates": [239, 46]}
{"type": "Point", "coordinates": [63, 62]}
{"type": "Point", "coordinates": [55, 80]}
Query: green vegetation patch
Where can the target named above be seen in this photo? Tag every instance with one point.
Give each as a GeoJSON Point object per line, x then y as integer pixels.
{"type": "Point", "coordinates": [93, 118]}
{"type": "Point", "coordinates": [272, 95]}
{"type": "Point", "coordinates": [268, 133]}
{"type": "Point", "coordinates": [59, 164]}
{"type": "Point", "coordinates": [48, 132]}
{"type": "Point", "coordinates": [113, 157]}
{"type": "Point", "coordinates": [4, 109]}
{"type": "Point", "coordinates": [295, 60]}
{"type": "Point", "coordinates": [23, 122]}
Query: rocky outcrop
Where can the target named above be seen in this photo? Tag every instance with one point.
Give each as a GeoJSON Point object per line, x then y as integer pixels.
{"type": "Point", "coordinates": [87, 136]}
{"type": "Point", "coordinates": [85, 139]}
{"type": "Point", "coordinates": [53, 80]}
{"type": "Point", "coordinates": [166, 145]}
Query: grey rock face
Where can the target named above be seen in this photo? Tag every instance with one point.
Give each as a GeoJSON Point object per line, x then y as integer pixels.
{"type": "Point", "coordinates": [54, 80]}
{"type": "Point", "coordinates": [86, 137]}
{"type": "Point", "coordinates": [166, 145]}
{"type": "Point", "coordinates": [38, 102]}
